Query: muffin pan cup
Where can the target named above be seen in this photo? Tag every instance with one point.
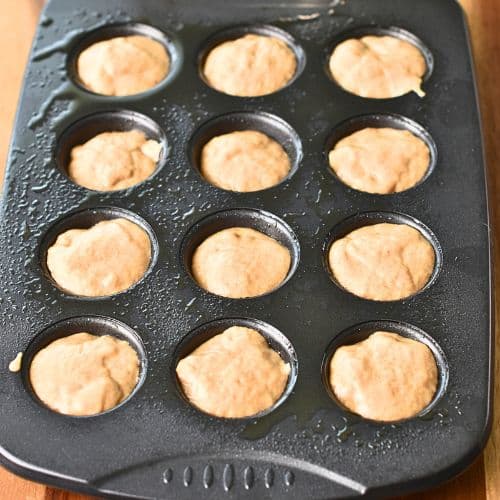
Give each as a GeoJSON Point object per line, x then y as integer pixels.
{"type": "Point", "coordinates": [156, 445]}
{"type": "Point", "coordinates": [98, 325]}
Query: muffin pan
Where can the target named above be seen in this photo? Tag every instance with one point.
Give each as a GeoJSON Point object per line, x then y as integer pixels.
{"type": "Point", "coordinates": [155, 444]}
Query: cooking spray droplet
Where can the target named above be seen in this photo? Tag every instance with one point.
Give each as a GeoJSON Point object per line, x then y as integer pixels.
{"type": "Point", "coordinates": [59, 46]}
{"type": "Point", "coordinates": [190, 303]}
{"type": "Point", "coordinates": [64, 90]}
{"type": "Point", "coordinates": [46, 21]}
{"type": "Point", "coordinates": [185, 215]}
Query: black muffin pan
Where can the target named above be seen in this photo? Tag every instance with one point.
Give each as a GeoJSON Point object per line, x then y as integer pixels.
{"type": "Point", "coordinates": [155, 444]}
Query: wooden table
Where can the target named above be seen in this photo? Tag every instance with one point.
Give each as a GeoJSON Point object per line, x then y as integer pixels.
{"type": "Point", "coordinates": [482, 480]}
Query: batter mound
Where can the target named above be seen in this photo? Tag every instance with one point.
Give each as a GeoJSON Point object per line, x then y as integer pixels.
{"type": "Point", "coordinates": [378, 67]}
{"type": "Point", "coordinates": [102, 260]}
{"type": "Point", "coordinates": [240, 262]}
{"type": "Point", "coordinates": [234, 374]}
{"type": "Point", "coordinates": [383, 261]}
{"type": "Point", "coordinates": [123, 65]}
{"type": "Point", "coordinates": [386, 377]}
{"type": "Point", "coordinates": [380, 160]}
{"type": "Point", "coordinates": [114, 160]}
{"type": "Point", "coordinates": [244, 161]}
{"type": "Point", "coordinates": [250, 66]}
{"type": "Point", "coordinates": [84, 374]}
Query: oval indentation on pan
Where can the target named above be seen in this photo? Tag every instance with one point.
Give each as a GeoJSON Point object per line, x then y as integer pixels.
{"type": "Point", "coordinates": [374, 30]}
{"type": "Point", "coordinates": [89, 126]}
{"type": "Point", "coordinates": [170, 43]}
{"type": "Point", "coordinates": [265, 222]}
{"type": "Point", "coordinates": [362, 331]}
{"type": "Point", "coordinates": [84, 219]}
{"type": "Point", "coordinates": [270, 125]}
{"type": "Point", "coordinates": [236, 32]}
{"type": "Point", "coordinates": [346, 226]}
{"type": "Point", "coordinates": [382, 120]}
{"type": "Point", "coordinates": [277, 340]}
{"type": "Point", "coordinates": [95, 325]}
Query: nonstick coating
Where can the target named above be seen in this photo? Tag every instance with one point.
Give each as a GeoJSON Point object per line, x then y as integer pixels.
{"type": "Point", "coordinates": [156, 445]}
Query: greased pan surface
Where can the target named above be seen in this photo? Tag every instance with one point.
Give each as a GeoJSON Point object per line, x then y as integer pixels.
{"type": "Point", "coordinates": [155, 445]}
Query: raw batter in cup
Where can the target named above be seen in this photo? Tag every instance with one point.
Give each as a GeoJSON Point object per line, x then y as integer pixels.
{"type": "Point", "coordinates": [244, 161]}
{"type": "Point", "coordinates": [378, 66]}
{"type": "Point", "coordinates": [380, 160]}
{"type": "Point", "coordinates": [386, 377]}
{"type": "Point", "coordinates": [114, 160]}
{"type": "Point", "coordinates": [125, 65]}
{"type": "Point", "coordinates": [240, 262]}
{"type": "Point", "coordinates": [105, 259]}
{"type": "Point", "coordinates": [84, 374]}
{"type": "Point", "coordinates": [250, 66]}
{"type": "Point", "coordinates": [382, 261]}
{"type": "Point", "coordinates": [234, 374]}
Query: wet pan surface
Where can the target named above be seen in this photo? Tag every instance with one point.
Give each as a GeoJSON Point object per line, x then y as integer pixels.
{"type": "Point", "coordinates": [155, 445]}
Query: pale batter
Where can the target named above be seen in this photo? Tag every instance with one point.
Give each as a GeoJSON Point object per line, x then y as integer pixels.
{"type": "Point", "coordinates": [114, 160]}
{"type": "Point", "coordinates": [380, 160]}
{"type": "Point", "coordinates": [102, 260]}
{"type": "Point", "coordinates": [15, 364]}
{"type": "Point", "coordinates": [123, 65]}
{"type": "Point", "coordinates": [386, 377]}
{"type": "Point", "coordinates": [234, 374]}
{"type": "Point", "coordinates": [240, 262]}
{"type": "Point", "coordinates": [252, 65]}
{"type": "Point", "coordinates": [244, 161]}
{"type": "Point", "coordinates": [378, 67]}
{"type": "Point", "coordinates": [382, 261]}
{"type": "Point", "coordinates": [84, 374]}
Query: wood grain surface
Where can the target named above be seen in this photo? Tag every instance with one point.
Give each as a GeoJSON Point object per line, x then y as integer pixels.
{"type": "Point", "coordinates": [481, 480]}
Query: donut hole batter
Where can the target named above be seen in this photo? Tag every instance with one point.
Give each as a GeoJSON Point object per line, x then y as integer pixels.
{"type": "Point", "coordinates": [102, 260]}
{"type": "Point", "coordinates": [250, 66]}
{"type": "Point", "coordinates": [240, 262]}
{"type": "Point", "coordinates": [378, 67]}
{"type": "Point", "coordinates": [244, 161]}
{"type": "Point", "coordinates": [234, 374]}
{"type": "Point", "coordinates": [380, 160]}
{"type": "Point", "coordinates": [84, 374]}
{"type": "Point", "coordinates": [382, 261]}
{"type": "Point", "coordinates": [114, 160]}
{"type": "Point", "coordinates": [386, 377]}
{"type": "Point", "coordinates": [124, 65]}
